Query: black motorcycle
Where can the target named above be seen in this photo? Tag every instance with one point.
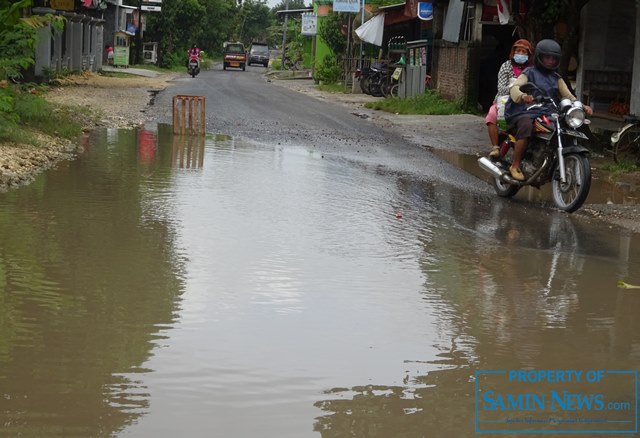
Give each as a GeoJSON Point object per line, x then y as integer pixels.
{"type": "Point", "coordinates": [555, 153]}
{"type": "Point", "coordinates": [372, 78]}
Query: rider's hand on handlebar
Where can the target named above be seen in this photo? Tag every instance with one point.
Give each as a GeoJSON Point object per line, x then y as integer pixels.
{"type": "Point", "coordinates": [527, 99]}
{"type": "Point", "coordinates": [588, 110]}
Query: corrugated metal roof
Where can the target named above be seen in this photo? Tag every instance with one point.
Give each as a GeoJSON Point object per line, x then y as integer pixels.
{"type": "Point", "coordinates": [396, 6]}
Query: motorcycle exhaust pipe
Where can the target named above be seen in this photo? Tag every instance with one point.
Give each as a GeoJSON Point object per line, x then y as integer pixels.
{"type": "Point", "coordinates": [488, 166]}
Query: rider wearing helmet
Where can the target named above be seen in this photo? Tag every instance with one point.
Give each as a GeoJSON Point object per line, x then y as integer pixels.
{"type": "Point", "coordinates": [193, 53]}
{"type": "Point", "coordinates": [547, 55]}
{"type": "Point", "coordinates": [547, 59]}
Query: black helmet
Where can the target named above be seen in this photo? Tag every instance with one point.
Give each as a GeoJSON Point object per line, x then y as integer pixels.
{"type": "Point", "coordinates": [549, 48]}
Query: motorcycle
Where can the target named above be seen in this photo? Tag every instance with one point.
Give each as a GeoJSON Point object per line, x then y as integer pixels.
{"type": "Point", "coordinates": [555, 153]}
{"type": "Point", "coordinates": [371, 79]}
{"type": "Point", "coordinates": [193, 65]}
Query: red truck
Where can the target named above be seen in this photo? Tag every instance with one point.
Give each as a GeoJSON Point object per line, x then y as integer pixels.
{"type": "Point", "coordinates": [233, 55]}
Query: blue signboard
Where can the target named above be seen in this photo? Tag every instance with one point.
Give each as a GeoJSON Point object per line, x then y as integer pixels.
{"type": "Point", "coordinates": [346, 5]}
{"type": "Point", "coordinates": [425, 11]}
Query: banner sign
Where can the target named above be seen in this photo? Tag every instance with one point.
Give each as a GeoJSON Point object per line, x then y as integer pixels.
{"type": "Point", "coordinates": [346, 5]}
{"type": "Point", "coordinates": [309, 24]}
{"type": "Point", "coordinates": [558, 401]}
{"type": "Point", "coordinates": [63, 5]}
{"type": "Point", "coordinates": [425, 11]}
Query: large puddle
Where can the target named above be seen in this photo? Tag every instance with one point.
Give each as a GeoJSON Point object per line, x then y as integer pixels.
{"type": "Point", "coordinates": [159, 284]}
{"type": "Point", "coordinates": [603, 190]}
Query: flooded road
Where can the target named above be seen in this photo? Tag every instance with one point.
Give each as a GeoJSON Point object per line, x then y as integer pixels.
{"type": "Point", "coordinates": [157, 287]}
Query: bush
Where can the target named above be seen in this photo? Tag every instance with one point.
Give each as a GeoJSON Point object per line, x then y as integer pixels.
{"type": "Point", "coordinates": [429, 103]}
{"type": "Point", "coordinates": [30, 109]}
{"type": "Point", "coordinates": [329, 71]}
{"type": "Point", "coordinates": [173, 60]}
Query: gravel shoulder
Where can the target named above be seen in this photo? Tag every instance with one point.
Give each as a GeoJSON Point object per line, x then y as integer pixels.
{"type": "Point", "coordinates": [121, 102]}
{"type": "Point", "coordinates": [102, 101]}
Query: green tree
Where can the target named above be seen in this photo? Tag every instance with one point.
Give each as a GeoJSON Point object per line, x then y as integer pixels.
{"type": "Point", "coordinates": [329, 31]}
{"type": "Point", "coordinates": [288, 4]}
{"type": "Point", "coordinates": [17, 38]}
{"type": "Point", "coordinates": [17, 52]}
{"type": "Point", "coordinates": [182, 23]}
{"type": "Point", "coordinates": [220, 24]}
{"type": "Point", "coordinates": [255, 19]}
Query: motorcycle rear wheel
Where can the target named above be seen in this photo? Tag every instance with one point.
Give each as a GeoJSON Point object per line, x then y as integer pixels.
{"type": "Point", "coordinates": [570, 196]}
{"type": "Point", "coordinates": [375, 89]}
{"type": "Point", "coordinates": [364, 84]}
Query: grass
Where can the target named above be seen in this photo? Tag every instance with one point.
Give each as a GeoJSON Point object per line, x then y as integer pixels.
{"type": "Point", "coordinates": [617, 169]}
{"type": "Point", "coordinates": [114, 74]}
{"type": "Point", "coordinates": [35, 113]}
{"type": "Point", "coordinates": [429, 103]}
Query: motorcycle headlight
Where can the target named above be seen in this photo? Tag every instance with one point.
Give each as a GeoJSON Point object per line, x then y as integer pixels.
{"type": "Point", "coordinates": [575, 117]}
{"type": "Point", "coordinates": [564, 104]}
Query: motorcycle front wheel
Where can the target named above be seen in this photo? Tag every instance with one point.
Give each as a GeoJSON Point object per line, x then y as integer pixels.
{"type": "Point", "coordinates": [570, 195]}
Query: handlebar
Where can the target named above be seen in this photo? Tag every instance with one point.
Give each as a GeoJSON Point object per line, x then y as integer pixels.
{"type": "Point", "coordinates": [632, 118]}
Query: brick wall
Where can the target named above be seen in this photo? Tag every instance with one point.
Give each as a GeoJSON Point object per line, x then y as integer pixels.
{"type": "Point", "coordinates": [455, 71]}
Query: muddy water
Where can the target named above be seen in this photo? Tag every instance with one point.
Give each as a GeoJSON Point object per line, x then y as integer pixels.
{"type": "Point", "coordinates": [162, 287]}
{"type": "Point", "coordinates": [603, 190]}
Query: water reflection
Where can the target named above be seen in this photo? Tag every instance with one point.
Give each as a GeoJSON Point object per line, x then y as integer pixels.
{"type": "Point", "coordinates": [603, 191]}
{"type": "Point", "coordinates": [188, 151]}
{"type": "Point", "coordinates": [84, 285]}
{"type": "Point", "coordinates": [279, 292]}
{"type": "Point", "coordinates": [509, 292]}
{"type": "Point", "coordinates": [147, 146]}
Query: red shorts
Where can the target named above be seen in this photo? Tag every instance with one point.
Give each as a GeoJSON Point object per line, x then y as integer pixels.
{"type": "Point", "coordinates": [492, 115]}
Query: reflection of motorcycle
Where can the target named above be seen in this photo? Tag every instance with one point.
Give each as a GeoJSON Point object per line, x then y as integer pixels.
{"type": "Point", "coordinates": [555, 154]}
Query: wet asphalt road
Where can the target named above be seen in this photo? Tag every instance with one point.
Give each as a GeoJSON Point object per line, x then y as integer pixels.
{"type": "Point", "coordinates": [242, 104]}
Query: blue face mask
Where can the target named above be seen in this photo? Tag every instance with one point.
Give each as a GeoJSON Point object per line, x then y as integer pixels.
{"type": "Point", "coordinates": [520, 59]}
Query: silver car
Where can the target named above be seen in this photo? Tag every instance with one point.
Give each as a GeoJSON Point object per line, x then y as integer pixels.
{"type": "Point", "coordinates": [259, 54]}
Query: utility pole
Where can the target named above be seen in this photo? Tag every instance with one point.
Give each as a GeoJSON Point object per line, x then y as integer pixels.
{"type": "Point", "coordinates": [284, 32]}
{"type": "Point", "coordinates": [361, 45]}
{"type": "Point", "coordinates": [138, 59]}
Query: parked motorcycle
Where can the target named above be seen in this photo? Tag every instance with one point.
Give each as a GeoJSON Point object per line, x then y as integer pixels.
{"type": "Point", "coordinates": [555, 153]}
{"type": "Point", "coordinates": [372, 78]}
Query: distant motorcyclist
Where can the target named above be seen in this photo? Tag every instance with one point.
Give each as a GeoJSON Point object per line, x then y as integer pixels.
{"type": "Point", "coordinates": [194, 53]}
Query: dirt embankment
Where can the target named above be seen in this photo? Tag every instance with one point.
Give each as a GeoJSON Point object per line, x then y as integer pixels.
{"type": "Point", "coordinates": [102, 102]}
